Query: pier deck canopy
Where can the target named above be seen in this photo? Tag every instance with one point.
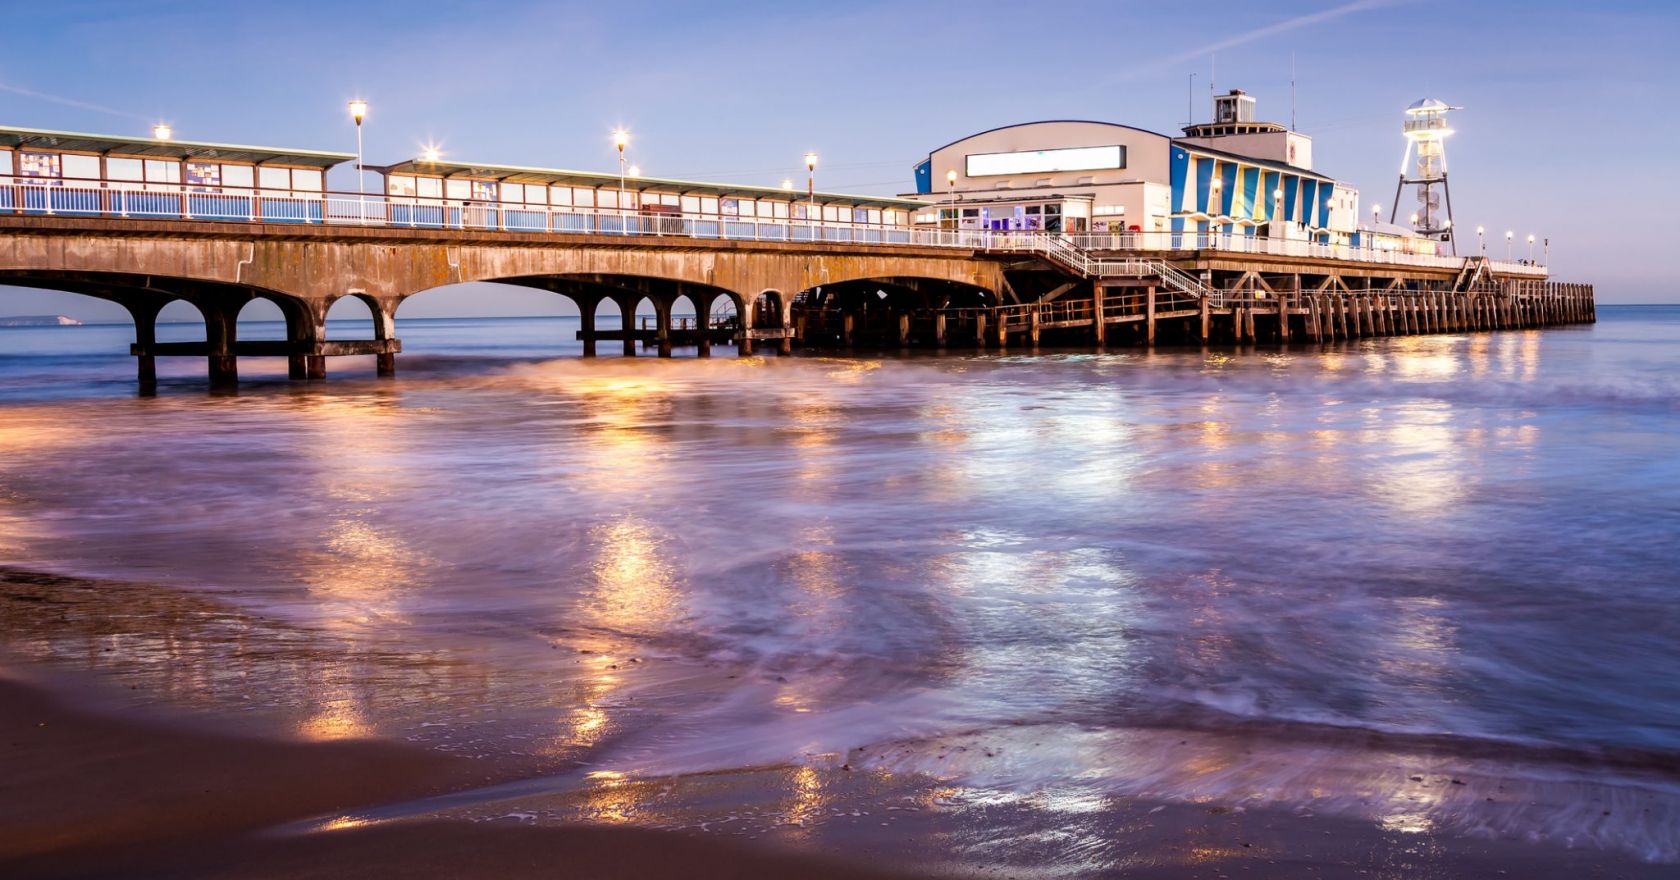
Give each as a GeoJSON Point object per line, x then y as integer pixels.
{"type": "Point", "coordinates": [105, 144]}
{"type": "Point", "coordinates": [563, 177]}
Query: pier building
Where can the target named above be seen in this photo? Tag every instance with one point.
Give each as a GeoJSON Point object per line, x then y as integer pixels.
{"type": "Point", "coordinates": [1082, 233]}
{"type": "Point", "coordinates": [1233, 176]}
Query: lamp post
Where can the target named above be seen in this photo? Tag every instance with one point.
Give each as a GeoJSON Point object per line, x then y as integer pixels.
{"type": "Point", "coordinates": [1277, 202]}
{"type": "Point", "coordinates": [162, 131]}
{"type": "Point", "coordinates": [1546, 252]}
{"type": "Point", "coordinates": [358, 112]}
{"type": "Point", "coordinates": [1481, 241]}
{"type": "Point", "coordinates": [811, 190]}
{"type": "Point", "coordinates": [1531, 249]}
{"type": "Point", "coordinates": [621, 139]}
{"type": "Point", "coordinates": [1508, 235]}
{"type": "Point", "coordinates": [951, 191]}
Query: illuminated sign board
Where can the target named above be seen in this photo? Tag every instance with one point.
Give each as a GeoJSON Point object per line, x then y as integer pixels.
{"type": "Point", "coordinates": [1047, 161]}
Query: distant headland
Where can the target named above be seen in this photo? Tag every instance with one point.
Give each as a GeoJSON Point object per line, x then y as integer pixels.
{"type": "Point", "coordinates": [38, 321]}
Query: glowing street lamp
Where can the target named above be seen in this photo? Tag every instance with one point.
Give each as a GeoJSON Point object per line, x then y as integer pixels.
{"type": "Point", "coordinates": [1277, 202]}
{"type": "Point", "coordinates": [162, 131]}
{"type": "Point", "coordinates": [358, 112]}
{"type": "Point", "coordinates": [1508, 235]}
{"type": "Point", "coordinates": [635, 171]}
{"type": "Point", "coordinates": [951, 190]}
{"type": "Point", "coordinates": [787, 184]}
{"type": "Point", "coordinates": [1481, 242]}
{"type": "Point", "coordinates": [621, 139]}
{"type": "Point", "coordinates": [1376, 210]}
{"type": "Point", "coordinates": [811, 185]}
{"type": "Point", "coordinates": [1531, 249]}
{"type": "Point", "coordinates": [430, 153]}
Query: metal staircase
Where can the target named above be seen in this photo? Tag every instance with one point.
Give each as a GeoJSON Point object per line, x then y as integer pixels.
{"type": "Point", "coordinates": [1074, 259]}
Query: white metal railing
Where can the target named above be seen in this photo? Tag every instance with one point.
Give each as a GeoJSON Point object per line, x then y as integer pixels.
{"type": "Point", "coordinates": [1091, 254]}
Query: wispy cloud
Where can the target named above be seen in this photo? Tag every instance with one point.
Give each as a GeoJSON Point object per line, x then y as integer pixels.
{"type": "Point", "coordinates": [68, 102]}
{"type": "Point", "coordinates": [1282, 27]}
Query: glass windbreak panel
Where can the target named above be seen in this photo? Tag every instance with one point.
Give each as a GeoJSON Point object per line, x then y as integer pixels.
{"type": "Point", "coordinates": [513, 192]}
{"type": "Point", "coordinates": [860, 215]}
{"type": "Point", "coordinates": [801, 211]}
{"type": "Point", "coordinates": [429, 187]}
{"type": "Point", "coordinates": [669, 199]}
{"type": "Point", "coordinates": [583, 198]}
{"type": "Point", "coordinates": [457, 189]}
{"type": "Point", "coordinates": [560, 195]}
{"type": "Point", "coordinates": [241, 176]}
{"type": "Point", "coordinates": [632, 200]}
{"type": "Point", "coordinates": [81, 167]}
{"type": "Point", "coordinates": [831, 213]}
{"type": "Point", "coordinates": [400, 185]}
{"type": "Point", "coordinates": [125, 169]}
{"type": "Point", "coordinates": [607, 199]}
{"type": "Point", "coordinates": [39, 165]}
{"type": "Point", "coordinates": [767, 210]}
{"type": "Point", "coordinates": [483, 190]}
{"type": "Point", "coordinates": [781, 210]}
{"type": "Point", "coordinates": [275, 178]}
{"type": "Point", "coordinates": [536, 194]}
{"type": "Point", "coordinates": [691, 204]}
{"type": "Point", "coordinates": [204, 176]}
{"type": "Point", "coordinates": [874, 215]}
{"type": "Point", "coordinates": [161, 171]}
{"type": "Point", "coordinates": [708, 205]}
{"type": "Point", "coordinates": [307, 178]}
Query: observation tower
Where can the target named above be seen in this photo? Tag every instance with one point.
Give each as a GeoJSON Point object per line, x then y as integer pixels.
{"type": "Point", "coordinates": [1426, 129]}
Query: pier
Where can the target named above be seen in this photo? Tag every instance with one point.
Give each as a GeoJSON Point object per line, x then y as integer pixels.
{"type": "Point", "coordinates": [145, 222]}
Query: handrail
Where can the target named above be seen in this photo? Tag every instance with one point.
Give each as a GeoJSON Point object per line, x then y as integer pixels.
{"type": "Point", "coordinates": [1086, 254]}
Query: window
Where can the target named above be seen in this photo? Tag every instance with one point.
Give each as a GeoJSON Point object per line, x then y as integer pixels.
{"type": "Point", "coordinates": [81, 167]}
{"type": "Point", "coordinates": [124, 169]}
{"type": "Point", "coordinates": [269, 178]}
{"type": "Point", "coordinates": [241, 176]}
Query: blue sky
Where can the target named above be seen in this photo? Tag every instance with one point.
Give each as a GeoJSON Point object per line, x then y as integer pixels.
{"type": "Point", "coordinates": [1569, 130]}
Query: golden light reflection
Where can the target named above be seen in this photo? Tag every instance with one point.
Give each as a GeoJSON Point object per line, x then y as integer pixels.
{"type": "Point", "coordinates": [808, 799]}
{"type": "Point", "coordinates": [636, 586]}
{"type": "Point", "coordinates": [336, 719]}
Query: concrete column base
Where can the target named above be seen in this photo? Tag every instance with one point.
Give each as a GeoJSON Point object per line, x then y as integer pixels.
{"type": "Point", "coordinates": [385, 364]}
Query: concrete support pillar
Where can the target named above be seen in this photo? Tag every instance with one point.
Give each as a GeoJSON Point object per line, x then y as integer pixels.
{"type": "Point", "coordinates": [939, 330]}
{"type": "Point", "coordinates": [586, 325]}
{"type": "Point", "coordinates": [145, 341]}
{"type": "Point", "coordinates": [315, 366]}
{"type": "Point", "coordinates": [784, 346]}
{"type": "Point", "coordinates": [980, 331]}
{"type": "Point", "coordinates": [1099, 327]}
{"type": "Point", "coordinates": [848, 328]}
{"type": "Point", "coordinates": [744, 346]}
{"type": "Point", "coordinates": [627, 316]}
{"type": "Point", "coordinates": [385, 364]}
{"type": "Point", "coordinates": [903, 329]}
{"type": "Point", "coordinates": [1149, 317]}
{"type": "Point", "coordinates": [221, 325]}
{"type": "Point", "coordinates": [662, 326]}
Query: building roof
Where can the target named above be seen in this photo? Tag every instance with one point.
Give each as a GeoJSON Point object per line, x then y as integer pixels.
{"type": "Point", "coordinates": [1430, 105]}
{"type": "Point", "coordinates": [25, 138]}
{"type": "Point", "coordinates": [561, 176]}
{"type": "Point", "coordinates": [1046, 122]}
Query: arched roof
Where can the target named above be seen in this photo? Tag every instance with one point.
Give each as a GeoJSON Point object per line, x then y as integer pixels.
{"type": "Point", "coordinates": [1049, 122]}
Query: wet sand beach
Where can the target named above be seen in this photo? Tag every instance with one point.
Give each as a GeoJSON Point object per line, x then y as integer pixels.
{"type": "Point", "coordinates": [1397, 608]}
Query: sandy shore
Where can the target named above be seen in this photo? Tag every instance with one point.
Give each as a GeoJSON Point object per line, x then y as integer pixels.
{"type": "Point", "coordinates": [84, 795]}
{"type": "Point", "coordinates": [88, 796]}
